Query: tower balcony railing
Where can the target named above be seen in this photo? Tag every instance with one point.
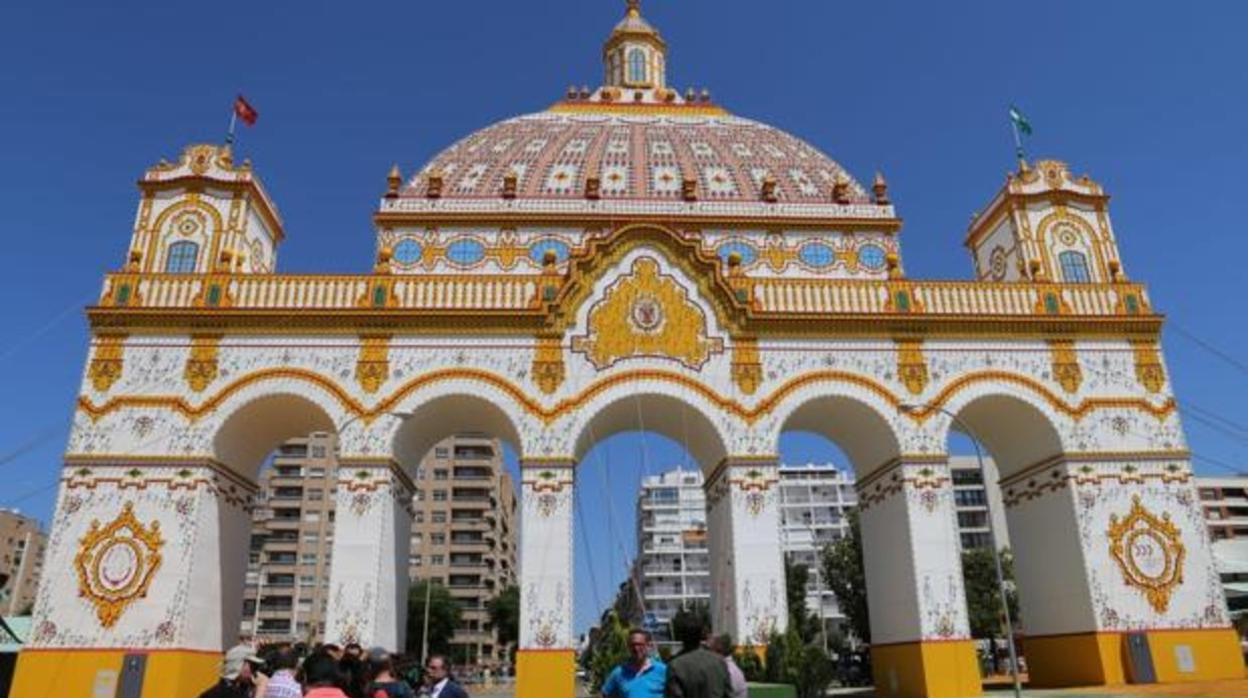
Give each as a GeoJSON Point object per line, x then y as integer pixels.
{"type": "Point", "coordinates": [781, 296]}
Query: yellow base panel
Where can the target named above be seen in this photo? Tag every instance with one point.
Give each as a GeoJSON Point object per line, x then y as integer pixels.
{"type": "Point", "coordinates": [168, 674]}
{"type": "Point", "coordinates": [926, 670]}
{"type": "Point", "coordinates": [1089, 659]}
{"type": "Point", "coordinates": [1215, 654]}
{"type": "Point", "coordinates": [1100, 659]}
{"type": "Point", "coordinates": [545, 674]}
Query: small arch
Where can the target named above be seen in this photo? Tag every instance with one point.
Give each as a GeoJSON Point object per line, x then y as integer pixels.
{"type": "Point", "coordinates": [447, 415]}
{"type": "Point", "coordinates": [252, 431]}
{"type": "Point", "coordinates": [182, 258]}
{"type": "Point", "coordinates": [1016, 433]}
{"type": "Point", "coordinates": [663, 414]}
{"type": "Point", "coordinates": [858, 429]}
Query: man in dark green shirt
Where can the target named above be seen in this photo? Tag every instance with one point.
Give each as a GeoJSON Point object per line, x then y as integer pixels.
{"type": "Point", "coordinates": [696, 672]}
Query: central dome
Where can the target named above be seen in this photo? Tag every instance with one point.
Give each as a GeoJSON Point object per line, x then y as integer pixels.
{"type": "Point", "coordinates": [635, 141]}
{"type": "Point", "coordinates": [636, 152]}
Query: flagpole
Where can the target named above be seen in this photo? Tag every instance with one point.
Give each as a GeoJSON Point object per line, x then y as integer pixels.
{"type": "Point", "coordinates": [229, 136]}
{"type": "Point", "coordinates": [1018, 145]}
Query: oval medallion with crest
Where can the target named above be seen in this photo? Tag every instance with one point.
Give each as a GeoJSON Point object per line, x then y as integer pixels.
{"type": "Point", "coordinates": [646, 314]}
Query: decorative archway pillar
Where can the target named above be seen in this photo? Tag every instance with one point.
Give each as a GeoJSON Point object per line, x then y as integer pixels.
{"type": "Point", "coordinates": [368, 579]}
{"type": "Point", "coordinates": [747, 564]}
{"type": "Point", "coordinates": [144, 557]}
{"type": "Point", "coordinates": [921, 644]}
{"type": "Point", "coordinates": [546, 657]}
{"type": "Point", "coordinates": [1109, 546]}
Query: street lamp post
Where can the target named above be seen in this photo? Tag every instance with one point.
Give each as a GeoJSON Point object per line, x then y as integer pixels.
{"type": "Point", "coordinates": [992, 534]}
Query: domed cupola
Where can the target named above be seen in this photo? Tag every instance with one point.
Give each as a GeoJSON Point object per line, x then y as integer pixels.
{"type": "Point", "coordinates": [635, 56]}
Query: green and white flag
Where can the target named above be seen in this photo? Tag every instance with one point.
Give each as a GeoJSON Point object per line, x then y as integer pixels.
{"type": "Point", "coordinates": [1020, 122]}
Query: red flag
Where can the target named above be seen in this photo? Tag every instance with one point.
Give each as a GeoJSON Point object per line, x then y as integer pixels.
{"type": "Point", "coordinates": [245, 111]}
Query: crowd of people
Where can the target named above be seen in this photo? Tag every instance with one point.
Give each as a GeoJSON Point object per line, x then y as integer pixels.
{"type": "Point", "coordinates": [328, 671]}
{"type": "Point", "coordinates": [705, 667]}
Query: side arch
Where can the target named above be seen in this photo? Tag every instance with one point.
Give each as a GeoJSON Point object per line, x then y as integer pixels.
{"type": "Point", "coordinates": [438, 416]}
{"type": "Point", "coordinates": [1016, 428]}
{"type": "Point", "coordinates": [855, 421]}
{"type": "Point", "coordinates": [259, 424]}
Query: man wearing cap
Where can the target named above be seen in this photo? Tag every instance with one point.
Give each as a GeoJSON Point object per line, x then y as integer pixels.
{"type": "Point", "coordinates": [237, 674]}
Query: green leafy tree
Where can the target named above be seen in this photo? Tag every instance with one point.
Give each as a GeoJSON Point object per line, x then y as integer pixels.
{"type": "Point", "coordinates": [983, 597]}
{"type": "Point", "coordinates": [796, 578]}
{"type": "Point", "coordinates": [504, 611]}
{"type": "Point", "coordinates": [444, 615]}
{"type": "Point", "coordinates": [847, 579]}
{"type": "Point", "coordinates": [607, 650]}
{"type": "Point", "coordinates": [804, 666]}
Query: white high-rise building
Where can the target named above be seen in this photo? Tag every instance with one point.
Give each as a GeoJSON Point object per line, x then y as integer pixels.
{"type": "Point", "coordinates": [814, 501]}
{"type": "Point", "coordinates": [672, 566]}
{"type": "Point", "coordinates": [673, 562]}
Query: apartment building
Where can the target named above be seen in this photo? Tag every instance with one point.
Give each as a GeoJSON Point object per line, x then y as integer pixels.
{"type": "Point", "coordinates": [22, 541]}
{"type": "Point", "coordinates": [814, 502]}
{"type": "Point", "coordinates": [673, 566]}
{"type": "Point", "coordinates": [972, 500]}
{"type": "Point", "coordinates": [292, 535]}
{"type": "Point", "coordinates": [464, 536]}
{"type": "Point", "coordinates": [1225, 503]}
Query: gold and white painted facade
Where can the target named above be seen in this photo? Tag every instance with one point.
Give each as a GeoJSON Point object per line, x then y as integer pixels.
{"type": "Point", "coordinates": [729, 283]}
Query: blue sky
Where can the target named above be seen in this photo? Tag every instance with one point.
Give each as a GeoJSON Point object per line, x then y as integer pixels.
{"type": "Point", "coordinates": [1149, 98]}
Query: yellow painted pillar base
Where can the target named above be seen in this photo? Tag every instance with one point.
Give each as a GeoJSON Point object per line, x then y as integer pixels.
{"type": "Point", "coordinates": [545, 674]}
{"type": "Point", "coordinates": [75, 672]}
{"type": "Point", "coordinates": [1100, 659]}
{"type": "Point", "coordinates": [926, 670]}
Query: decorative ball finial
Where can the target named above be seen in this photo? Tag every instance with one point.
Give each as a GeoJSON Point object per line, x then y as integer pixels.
{"type": "Point", "coordinates": [634, 8]}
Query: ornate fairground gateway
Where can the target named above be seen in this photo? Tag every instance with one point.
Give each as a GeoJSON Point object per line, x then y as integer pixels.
{"type": "Point", "coordinates": [630, 258]}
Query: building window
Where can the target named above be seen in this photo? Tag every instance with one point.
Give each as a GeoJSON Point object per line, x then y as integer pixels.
{"type": "Point", "coordinates": [437, 559]}
{"type": "Point", "coordinates": [439, 495]}
{"type": "Point", "coordinates": [182, 257]}
{"type": "Point", "coordinates": [439, 517]}
{"type": "Point", "coordinates": [441, 474]}
{"type": "Point", "coordinates": [1074, 267]}
{"type": "Point", "coordinates": [636, 66]}
{"type": "Point", "coordinates": [441, 453]}
{"type": "Point", "coordinates": [318, 451]}
{"type": "Point", "coordinates": [437, 538]}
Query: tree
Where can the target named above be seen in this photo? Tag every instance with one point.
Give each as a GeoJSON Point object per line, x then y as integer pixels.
{"type": "Point", "coordinates": [847, 579]}
{"type": "Point", "coordinates": [983, 596]}
{"type": "Point", "coordinates": [608, 649]}
{"type": "Point", "coordinates": [796, 578]}
{"type": "Point", "coordinates": [504, 611]}
{"type": "Point", "coordinates": [444, 614]}
{"type": "Point", "coordinates": [804, 666]}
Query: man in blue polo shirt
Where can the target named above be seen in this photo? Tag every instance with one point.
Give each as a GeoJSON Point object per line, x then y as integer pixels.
{"type": "Point", "coordinates": [639, 677]}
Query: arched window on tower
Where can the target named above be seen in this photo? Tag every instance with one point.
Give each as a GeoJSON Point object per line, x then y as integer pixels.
{"type": "Point", "coordinates": [636, 66]}
{"type": "Point", "coordinates": [182, 257]}
{"type": "Point", "coordinates": [1074, 267]}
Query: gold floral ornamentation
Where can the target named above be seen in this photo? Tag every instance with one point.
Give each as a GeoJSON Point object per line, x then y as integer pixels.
{"type": "Point", "coordinates": [1149, 552]}
{"type": "Point", "coordinates": [201, 365]}
{"type": "Point", "coordinates": [647, 314]}
{"type": "Point", "coordinates": [107, 361]}
{"type": "Point", "coordinates": [1066, 370]}
{"type": "Point", "coordinates": [116, 563]}
{"type": "Point", "coordinates": [911, 365]}
{"type": "Point", "coordinates": [1148, 369]}
{"type": "Point", "coordinates": [548, 368]}
{"type": "Point", "coordinates": [373, 367]}
{"type": "Point", "coordinates": [747, 370]}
